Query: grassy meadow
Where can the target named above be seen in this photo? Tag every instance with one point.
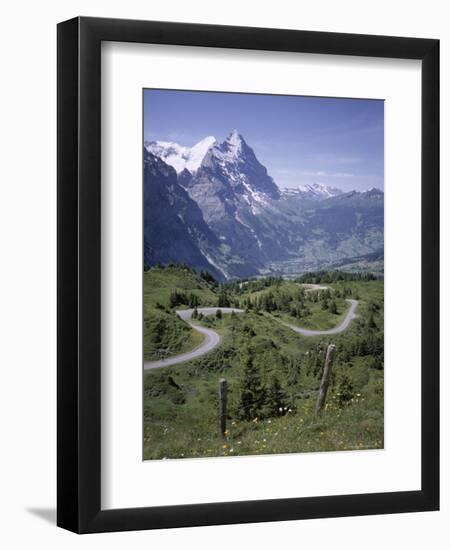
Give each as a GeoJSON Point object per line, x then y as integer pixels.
{"type": "Point", "coordinates": [273, 373]}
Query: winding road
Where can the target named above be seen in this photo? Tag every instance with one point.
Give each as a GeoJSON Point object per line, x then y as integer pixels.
{"type": "Point", "coordinates": [336, 330]}
{"type": "Point", "coordinates": [212, 338]}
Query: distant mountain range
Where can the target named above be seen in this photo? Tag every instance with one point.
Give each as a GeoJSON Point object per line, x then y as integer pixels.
{"type": "Point", "coordinates": [215, 207]}
{"type": "Point", "coordinates": [311, 191]}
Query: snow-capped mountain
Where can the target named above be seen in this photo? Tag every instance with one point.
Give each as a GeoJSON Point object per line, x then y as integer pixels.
{"type": "Point", "coordinates": [312, 191]}
{"type": "Point", "coordinates": [233, 165]}
{"type": "Point", "coordinates": [233, 189]}
{"type": "Point", "coordinates": [180, 157]}
{"type": "Point", "coordinates": [232, 159]}
{"type": "Point", "coordinates": [214, 204]}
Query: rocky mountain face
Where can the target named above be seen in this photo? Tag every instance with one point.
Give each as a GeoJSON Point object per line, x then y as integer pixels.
{"type": "Point", "coordinates": [232, 189]}
{"type": "Point", "coordinates": [174, 227]}
{"type": "Point", "coordinates": [323, 233]}
{"type": "Point", "coordinates": [215, 207]}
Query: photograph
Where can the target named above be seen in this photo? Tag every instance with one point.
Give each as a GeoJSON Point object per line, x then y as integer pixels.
{"type": "Point", "coordinates": [213, 205]}
{"type": "Point", "coordinates": [263, 274]}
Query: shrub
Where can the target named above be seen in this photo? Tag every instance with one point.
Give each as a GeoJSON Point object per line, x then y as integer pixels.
{"type": "Point", "coordinates": [332, 308]}
{"type": "Point", "coordinates": [343, 389]}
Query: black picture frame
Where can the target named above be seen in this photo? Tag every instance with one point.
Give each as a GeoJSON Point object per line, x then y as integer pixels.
{"type": "Point", "coordinates": [79, 280]}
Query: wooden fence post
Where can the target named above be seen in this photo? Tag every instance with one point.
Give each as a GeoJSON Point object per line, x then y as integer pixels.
{"type": "Point", "coordinates": [325, 378]}
{"type": "Point", "coordinates": [223, 387]}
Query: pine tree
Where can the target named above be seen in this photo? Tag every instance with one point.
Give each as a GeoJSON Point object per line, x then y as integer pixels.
{"type": "Point", "coordinates": [223, 300]}
{"type": "Point", "coordinates": [176, 298]}
{"type": "Point", "coordinates": [193, 300]}
{"type": "Point", "coordinates": [293, 371]}
{"type": "Point", "coordinates": [252, 392]}
{"type": "Point", "coordinates": [173, 299]}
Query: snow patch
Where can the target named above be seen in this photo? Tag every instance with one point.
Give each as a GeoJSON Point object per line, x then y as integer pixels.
{"type": "Point", "coordinates": [179, 156]}
{"type": "Point", "coordinates": [214, 264]}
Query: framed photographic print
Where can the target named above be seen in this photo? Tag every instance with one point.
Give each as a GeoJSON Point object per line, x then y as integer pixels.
{"type": "Point", "coordinates": [248, 308]}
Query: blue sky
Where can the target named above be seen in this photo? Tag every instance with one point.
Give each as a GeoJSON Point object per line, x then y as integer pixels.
{"type": "Point", "coordinates": [338, 142]}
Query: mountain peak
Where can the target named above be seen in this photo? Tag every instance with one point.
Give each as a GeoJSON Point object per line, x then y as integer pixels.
{"type": "Point", "coordinates": [180, 157]}
{"type": "Point", "coordinates": [235, 137]}
{"type": "Point", "coordinates": [234, 144]}
{"type": "Point", "coordinates": [208, 141]}
{"type": "Point", "coordinates": [234, 163]}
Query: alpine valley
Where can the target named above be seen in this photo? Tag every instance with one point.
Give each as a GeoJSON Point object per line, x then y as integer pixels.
{"type": "Point", "coordinates": [215, 208]}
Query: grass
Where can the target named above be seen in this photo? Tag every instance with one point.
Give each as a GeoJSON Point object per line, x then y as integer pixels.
{"type": "Point", "coordinates": [312, 314]}
{"type": "Point", "coordinates": [181, 403]}
{"type": "Point", "coordinates": [192, 431]}
{"type": "Point", "coordinates": [318, 319]}
{"type": "Point", "coordinates": [160, 282]}
{"type": "Point", "coordinates": [165, 334]}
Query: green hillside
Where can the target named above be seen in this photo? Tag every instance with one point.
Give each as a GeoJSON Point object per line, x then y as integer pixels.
{"type": "Point", "coordinates": [165, 334]}
{"type": "Point", "coordinates": [160, 282]}
{"type": "Point", "coordinates": [273, 373]}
